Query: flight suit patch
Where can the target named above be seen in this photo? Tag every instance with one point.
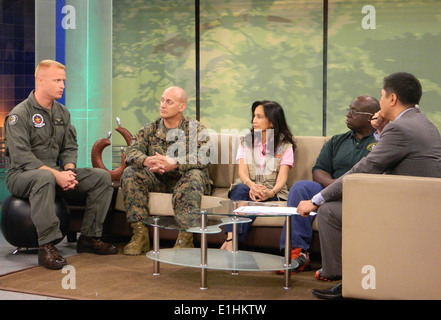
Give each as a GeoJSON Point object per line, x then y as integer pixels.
{"type": "Point", "coordinates": [38, 120]}
{"type": "Point", "coordinates": [12, 120]}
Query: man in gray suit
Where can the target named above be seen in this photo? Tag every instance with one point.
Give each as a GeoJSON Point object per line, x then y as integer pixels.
{"type": "Point", "coordinates": [409, 145]}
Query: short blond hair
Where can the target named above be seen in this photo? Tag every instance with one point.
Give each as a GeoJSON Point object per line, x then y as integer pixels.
{"type": "Point", "coordinates": [48, 63]}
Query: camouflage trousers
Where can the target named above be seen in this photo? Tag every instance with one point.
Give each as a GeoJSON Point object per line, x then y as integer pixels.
{"type": "Point", "coordinates": [187, 190]}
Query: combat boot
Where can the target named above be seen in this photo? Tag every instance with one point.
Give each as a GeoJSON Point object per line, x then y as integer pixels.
{"type": "Point", "coordinates": [184, 240]}
{"type": "Point", "coordinates": [140, 242]}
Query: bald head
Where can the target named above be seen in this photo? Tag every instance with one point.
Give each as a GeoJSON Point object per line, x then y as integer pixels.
{"type": "Point", "coordinates": [173, 104]}
{"type": "Point", "coordinates": [178, 93]}
{"type": "Point", "coordinates": [366, 104]}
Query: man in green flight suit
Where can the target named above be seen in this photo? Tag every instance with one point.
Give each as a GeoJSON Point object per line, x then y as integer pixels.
{"type": "Point", "coordinates": [168, 155]}
{"type": "Point", "coordinates": [42, 149]}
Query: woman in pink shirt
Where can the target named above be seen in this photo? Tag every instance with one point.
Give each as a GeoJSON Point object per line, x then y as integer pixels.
{"type": "Point", "coordinates": [265, 156]}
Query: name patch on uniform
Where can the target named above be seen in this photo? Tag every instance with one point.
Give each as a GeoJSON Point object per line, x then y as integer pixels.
{"type": "Point", "coordinates": [371, 146]}
{"type": "Point", "coordinates": [12, 120]}
{"type": "Point", "coordinates": [38, 121]}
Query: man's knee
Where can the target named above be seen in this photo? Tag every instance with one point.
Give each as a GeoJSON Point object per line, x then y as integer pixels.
{"type": "Point", "coordinates": [41, 182]}
{"type": "Point", "coordinates": [102, 175]}
{"type": "Point", "coordinates": [190, 188]}
{"type": "Point", "coordinates": [128, 173]}
{"type": "Point", "coordinates": [303, 186]}
{"type": "Point", "coordinates": [322, 214]}
{"type": "Point", "coordinates": [299, 184]}
{"type": "Point", "coordinates": [133, 176]}
{"type": "Point", "coordinates": [195, 175]}
{"type": "Point", "coordinates": [143, 175]}
{"type": "Point", "coordinates": [44, 177]}
{"type": "Point", "coordinates": [191, 181]}
{"type": "Point", "coordinates": [330, 213]}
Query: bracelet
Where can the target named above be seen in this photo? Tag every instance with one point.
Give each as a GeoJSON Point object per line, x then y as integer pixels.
{"type": "Point", "coordinates": [274, 193]}
{"type": "Point", "coordinates": [71, 169]}
{"type": "Point", "coordinates": [245, 183]}
{"type": "Point", "coordinates": [228, 240]}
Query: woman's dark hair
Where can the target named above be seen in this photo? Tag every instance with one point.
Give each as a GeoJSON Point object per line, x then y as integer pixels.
{"type": "Point", "coordinates": [275, 114]}
{"type": "Point", "coordinates": [406, 86]}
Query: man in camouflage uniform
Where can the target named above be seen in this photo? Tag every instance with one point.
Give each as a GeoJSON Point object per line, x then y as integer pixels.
{"type": "Point", "coordinates": [168, 155]}
{"type": "Point", "coordinates": [42, 149]}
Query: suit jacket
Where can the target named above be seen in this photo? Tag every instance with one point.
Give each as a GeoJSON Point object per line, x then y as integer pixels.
{"type": "Point", "coordinates": [410, 145]}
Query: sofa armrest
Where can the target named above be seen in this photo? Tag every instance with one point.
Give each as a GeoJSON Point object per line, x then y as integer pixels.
{"type": "Point", "coordinates": [391, 237]}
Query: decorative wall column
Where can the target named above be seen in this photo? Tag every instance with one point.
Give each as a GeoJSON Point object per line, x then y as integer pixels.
{"type": "Point", "coordinates": [79, 35]}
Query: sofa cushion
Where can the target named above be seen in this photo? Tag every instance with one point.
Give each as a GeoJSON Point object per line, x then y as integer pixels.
{"type": "Point", "coordinates": [224, 173]}
{"type": "Point", "coordinates": [160, 204]}
{"type": "Point", "coordinates": [305, 156]}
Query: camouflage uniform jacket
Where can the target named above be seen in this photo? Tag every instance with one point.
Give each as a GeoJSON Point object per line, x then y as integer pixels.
{"type": "Point", "coordinates": [189, 144]}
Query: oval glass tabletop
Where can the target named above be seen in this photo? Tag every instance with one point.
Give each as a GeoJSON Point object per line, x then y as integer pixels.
{"type": "Point", "coordinates": [213, 223]}
{"type": "Point", "coordinates": [222, 259]}
{"type": "Point", "coordinates": [227, 212]}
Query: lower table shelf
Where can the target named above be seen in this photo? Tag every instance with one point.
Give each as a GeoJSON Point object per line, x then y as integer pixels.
{"type": "Point", "coordinates": [222, 259]}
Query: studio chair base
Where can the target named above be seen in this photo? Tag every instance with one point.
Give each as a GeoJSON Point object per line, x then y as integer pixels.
{"type": "Point", "coordinates": [17, 226]}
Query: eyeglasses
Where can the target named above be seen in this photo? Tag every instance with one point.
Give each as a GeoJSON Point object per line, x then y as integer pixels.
{"type": "Point", "coordinates": [354, 113]}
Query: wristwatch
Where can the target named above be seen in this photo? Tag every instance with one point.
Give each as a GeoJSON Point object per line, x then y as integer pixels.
{"type": "Point", "coordinates": [312, 201]}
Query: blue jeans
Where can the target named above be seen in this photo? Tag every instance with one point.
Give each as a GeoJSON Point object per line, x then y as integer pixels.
{"type": "Point", "coordinates": [301, 227]}
{"type": "Point", "coordinates": [242, 192]}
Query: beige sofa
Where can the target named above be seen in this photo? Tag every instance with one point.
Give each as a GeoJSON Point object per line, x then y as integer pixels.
{"type": "Point", "coordinates": [391, 237]}
{"type": "Point", "coordinates": [390, 245]}
{"type": "Point", "coordinates": [265, 231]}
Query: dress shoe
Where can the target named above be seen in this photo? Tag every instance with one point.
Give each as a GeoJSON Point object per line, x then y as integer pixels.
{"type": "Point", "coordinates": [333, 293]}
{"type": "Point", "coordinates": [140, 242]}
{"type": "Point", "coordinates": [48, 257]}
{"type": "Point", "coordinates": [93, 245]}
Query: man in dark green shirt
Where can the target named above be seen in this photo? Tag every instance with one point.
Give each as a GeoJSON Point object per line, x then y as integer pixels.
{"type": "Point", "coordinates": [342, 151]}
{"type": "Point", "coordinates": [337, 156]}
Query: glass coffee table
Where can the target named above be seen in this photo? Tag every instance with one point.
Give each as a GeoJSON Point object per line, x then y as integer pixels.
{"type": "Point", "coordinates": [208, 221]}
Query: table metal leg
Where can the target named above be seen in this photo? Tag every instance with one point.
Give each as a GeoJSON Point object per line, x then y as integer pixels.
{"type": "Point", "coordinates": [235, 243]}
{"type": "Point", "coordinates": [235, 240]}
{"type": "Point", "coordinates": [156, 250]}
{"type": "Point", "coordinates": [287, 252]}
{"type": "Point", "coordinates": [204, 250]}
